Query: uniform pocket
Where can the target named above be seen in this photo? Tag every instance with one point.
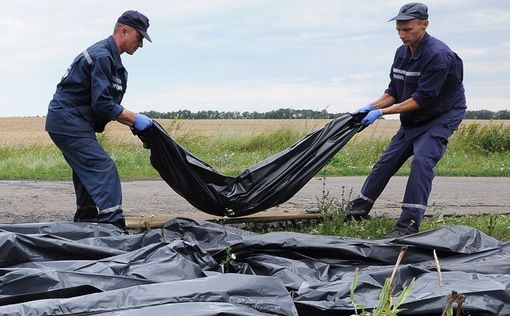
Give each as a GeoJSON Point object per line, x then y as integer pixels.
{"type": "Point", "coordinates": [442, 132]}
{"type": "Point", "coordinates": [411, 80]}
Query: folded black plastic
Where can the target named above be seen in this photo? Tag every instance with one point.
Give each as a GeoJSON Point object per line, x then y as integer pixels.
{"type": "Point", "coordinates": [225, 294]}
{"type": "Point", "coordinates": [261, 186]}
{"type": "Point", "coordinates": [202, 268]}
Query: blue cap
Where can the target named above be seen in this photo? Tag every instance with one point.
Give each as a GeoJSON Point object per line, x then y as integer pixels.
{"type": "Point", "coordinates": [136, 20]}
{"type": "Point", "coordinates": [410, 11]}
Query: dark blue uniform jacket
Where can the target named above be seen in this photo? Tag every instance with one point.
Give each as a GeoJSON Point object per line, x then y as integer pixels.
{"type": "Point", "coordinates": [432, 76]}
{"type": "Point", "coordinates": [89, 94]}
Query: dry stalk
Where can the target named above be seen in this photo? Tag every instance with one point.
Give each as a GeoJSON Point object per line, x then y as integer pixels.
{"type": "Point", "coordinates": [399, 259]}
{"type": "Point", "coordinates": [438, 268]}
{"type": "Point", "coordinates": [457, 298]}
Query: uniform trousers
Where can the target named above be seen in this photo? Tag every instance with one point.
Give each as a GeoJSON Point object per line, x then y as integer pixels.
{"type": "Point", "coordinates": [426, 148]}
{"type": "Point", "coordinates": [95, 177]}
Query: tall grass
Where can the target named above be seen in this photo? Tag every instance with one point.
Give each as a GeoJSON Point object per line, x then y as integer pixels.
{"type": "Point", "coordinates": [32, 162]}
{"type": "Point", "coordinates": [474, 150]}
{"type": "Point", "coordinates": [333, 212]}
{"type": "Point", "coordinates": [488, 139]}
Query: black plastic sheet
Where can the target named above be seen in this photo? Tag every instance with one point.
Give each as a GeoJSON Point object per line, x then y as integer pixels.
{"type": "Point", "coordinates": [261, 186]}
{"type": "Point", "coordinates": [202, 268]}
{"type": "Point", "coordinates": [216, 295]}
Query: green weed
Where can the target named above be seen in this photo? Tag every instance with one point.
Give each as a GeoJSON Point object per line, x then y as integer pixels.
{"type": "Point", "coordinates": [483, 139]}
{"type": "Point", "coordinates": [473, 151]}
{"type": "Point", "coordinates": [387, 305]}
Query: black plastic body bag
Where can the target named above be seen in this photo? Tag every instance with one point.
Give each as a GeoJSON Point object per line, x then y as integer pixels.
{"type": "Point", "coordinates": [261, 186]}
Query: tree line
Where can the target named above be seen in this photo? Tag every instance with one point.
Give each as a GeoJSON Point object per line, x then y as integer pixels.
{"type": "Point", "coordinates": [488, 115]}
{"type": "Point", "coordinates": [293, 114]}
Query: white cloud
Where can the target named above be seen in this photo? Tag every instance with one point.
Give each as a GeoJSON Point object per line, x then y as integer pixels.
{"type": "Point", "coordinates": [225, 54]}
{"type": "Point", "coordinates": [253, 97]}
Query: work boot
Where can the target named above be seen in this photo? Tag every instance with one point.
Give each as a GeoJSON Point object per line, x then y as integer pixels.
{"type": "Point", "coordinates": [115, 218]}
{"type": "Point", "coordinates": [86, 214]}
{"type": "Point", "coordinates": [359, 209]}
{"type": "Point", "coordinates": [357, 215]}
{"type": "Point", "coordinates": [400, 231]}
{"type": "Point", "coordinates": [121, 223]}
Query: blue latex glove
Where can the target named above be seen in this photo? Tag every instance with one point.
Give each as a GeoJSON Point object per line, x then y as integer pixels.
{"type": "Point", "coordinates": [141, 122]}
{"type": "Point", "coordinates": [371, 117]}
{"type": "Point", "coordinates": [366, 108]}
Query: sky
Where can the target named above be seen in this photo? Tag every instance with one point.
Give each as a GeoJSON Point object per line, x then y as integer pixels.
{"type": "Point", "coordinates": [247, 55]}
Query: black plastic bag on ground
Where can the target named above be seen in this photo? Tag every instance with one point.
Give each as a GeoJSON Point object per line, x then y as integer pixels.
{"type": "Point", "coordinates": [261, 186]}
{"type": "Point", "coordinates": [225, 294]}
{"type": "Point", "coordinates": [319, 270]}
{"type": "Point", "coordinates": [193, 267]}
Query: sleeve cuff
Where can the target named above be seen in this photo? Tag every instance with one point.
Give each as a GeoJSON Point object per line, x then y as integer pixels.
{"type": "Point", "coordinates": [116, 111]}
{"type": "Point", "coordinates": [422, 102]}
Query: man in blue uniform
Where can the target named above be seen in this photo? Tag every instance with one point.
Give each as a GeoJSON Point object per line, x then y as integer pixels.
{"type": "Point", "coordinates": [86, 99]}
{"type": "Point", "coordinates": [426, 89]}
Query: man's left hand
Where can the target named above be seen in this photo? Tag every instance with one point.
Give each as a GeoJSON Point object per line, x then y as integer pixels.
{"type": "Point", "coordinates": [371, 117]}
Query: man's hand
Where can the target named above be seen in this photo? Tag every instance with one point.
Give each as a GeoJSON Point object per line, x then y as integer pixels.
{"type": "Point", "coordinates": [366, 108]}
{"type": "Point", "coordinates": [141, 122]}
{"type": "Point", "coordinates": [371, 117]}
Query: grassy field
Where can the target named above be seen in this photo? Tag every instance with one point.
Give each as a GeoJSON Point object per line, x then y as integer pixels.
{"type": "Point", "coordinates": [22, 131]}
{"type": "Point", "coordinates": [479, 148]}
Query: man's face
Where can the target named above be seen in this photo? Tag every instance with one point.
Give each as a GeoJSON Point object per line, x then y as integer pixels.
{"type": "Point", "coordinates": [132, 40]}
{"type": "Point", "coordinates": [411, 31]}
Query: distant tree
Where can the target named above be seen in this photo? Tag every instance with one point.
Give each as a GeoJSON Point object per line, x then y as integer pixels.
{"type": "Point", "coordinates": [502, 115]}
{"type": "Point", "coordinates": [288, 113]}
{"type": "Point", "coordinates": [488, 115]}
{"type": "Point", "coordinates": [480, 115]}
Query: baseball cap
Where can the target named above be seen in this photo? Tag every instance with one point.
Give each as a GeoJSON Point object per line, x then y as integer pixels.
{"type": "Point", "coordinates": [136, 20]}
{"type": "Point", "coordinates": [413, 10]}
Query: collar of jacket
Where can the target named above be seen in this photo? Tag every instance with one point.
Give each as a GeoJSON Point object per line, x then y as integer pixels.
{"type": "Point", "coordinates": [115, 53]}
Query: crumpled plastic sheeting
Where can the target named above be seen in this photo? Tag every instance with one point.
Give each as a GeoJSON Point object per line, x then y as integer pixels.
{"type": "Point", "coordinates": [318, 270]}
{"type": "Point", "coordinates": [261, 186]}
{"type": "Point", "coordinates": [210, 268]}
{"type": "Point", "coordinates": [225, 294]}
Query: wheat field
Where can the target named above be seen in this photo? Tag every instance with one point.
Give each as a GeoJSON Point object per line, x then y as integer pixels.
{"type": "Point", "coordinates": [30, 130]}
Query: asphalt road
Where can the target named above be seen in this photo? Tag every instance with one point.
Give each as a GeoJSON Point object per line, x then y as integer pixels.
{"type": "Point", "coordinates": [54, 201]}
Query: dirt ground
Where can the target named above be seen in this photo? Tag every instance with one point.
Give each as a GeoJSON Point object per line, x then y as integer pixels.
{"type": "Point", "coordinates": [54, 201]}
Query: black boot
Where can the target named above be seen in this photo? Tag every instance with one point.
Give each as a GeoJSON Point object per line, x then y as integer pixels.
{"type": "Point", "coordinates": [115, 218]}
{"type": "Point", "coordinates": [120, 224]}
{"type": "Point", "coordinates": [86, 214]}
{"type": "Point", "coordinates": [401, 231]}
{"type": "Point", "coordinates": [357, 215]}
{"type": "Point", "coordinates": [360, 207]}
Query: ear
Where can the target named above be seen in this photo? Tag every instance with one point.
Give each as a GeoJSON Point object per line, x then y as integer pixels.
{"type": "Point", "coordinates": [123, 31]}
{"type": "Point", "coordinates": [425, 23]}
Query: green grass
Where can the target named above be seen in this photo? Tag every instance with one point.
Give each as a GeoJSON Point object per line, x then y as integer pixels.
{"type": "Point", "coordinates": [496, 226]}
{"type": "Point", "coordinates": [47, 163]}
{"type": "Point", "coordinates": [473, 151]}
{"type": "Point", "coordinates": [332, 223]}
{"type": "Point", "coordinates": [333, 212]}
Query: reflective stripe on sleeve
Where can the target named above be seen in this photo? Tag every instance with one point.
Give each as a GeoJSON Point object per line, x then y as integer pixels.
{"type": "Point", "coordinates": [87, 56]}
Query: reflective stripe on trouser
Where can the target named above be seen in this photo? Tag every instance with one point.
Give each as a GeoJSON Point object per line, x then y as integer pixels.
{"type": "Point", "coordinates": [95, 177]}
{"type": "Point", "coordinates": [426, 149]}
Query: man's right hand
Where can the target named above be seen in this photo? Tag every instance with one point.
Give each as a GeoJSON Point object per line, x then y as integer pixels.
{"type": "Point", "coordinates": [366, 108]}
{"type": "Point", "coordinates": [141, 122]}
